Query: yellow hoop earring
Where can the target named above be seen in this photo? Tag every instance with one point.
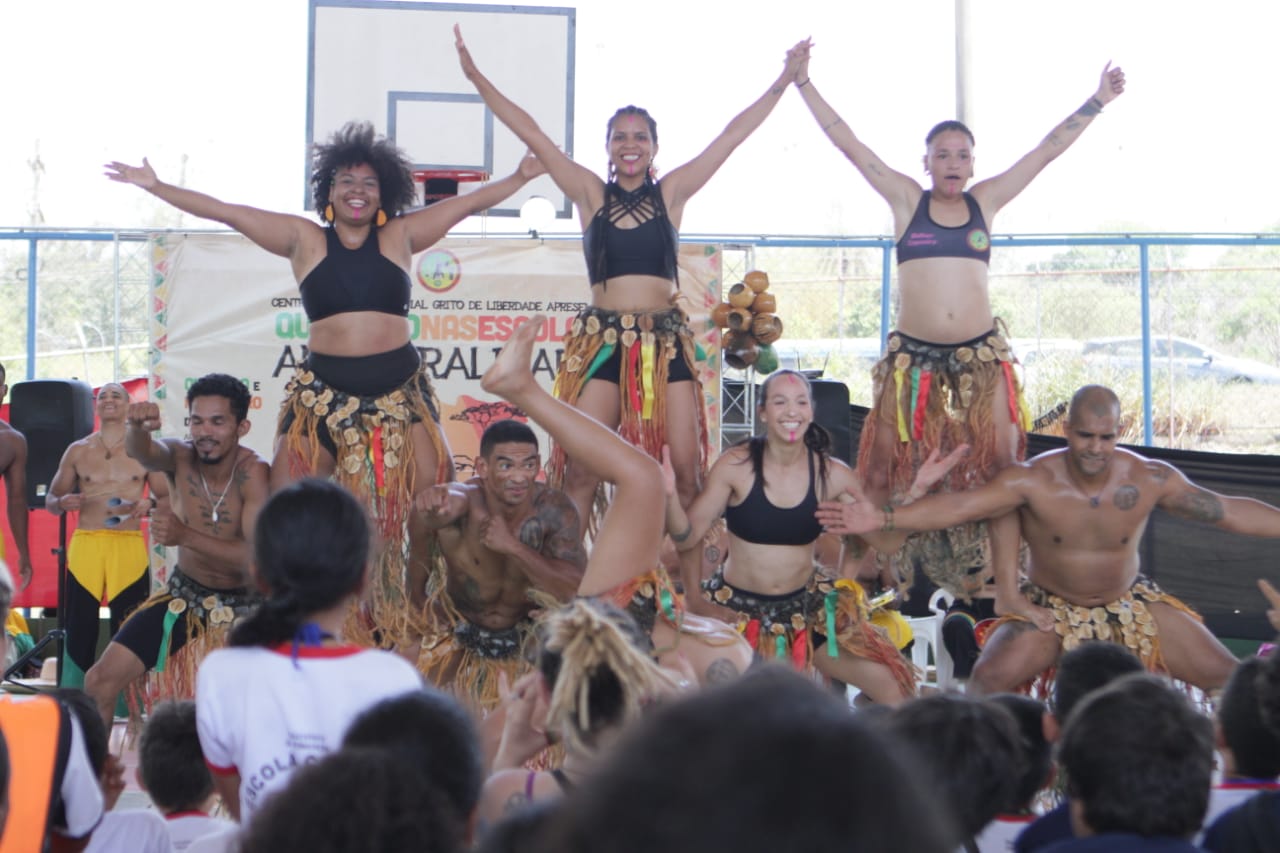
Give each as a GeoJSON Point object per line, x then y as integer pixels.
{"type": "Point", "coordinates": [328, 212]}
{"type": "Point", "coordinates": [381, 218]}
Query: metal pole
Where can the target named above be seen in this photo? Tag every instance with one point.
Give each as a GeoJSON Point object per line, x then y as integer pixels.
{"type": "Point", "coordinates": [963, 101]}
{"type": "Point", "coordinates": [886, 270]}
{"type": "Point", "coordinates": [115, 245]}
{"type": "Point", "coordinates": [32, 260]}
{"type": "Point", "coordinates": [1144, 281]}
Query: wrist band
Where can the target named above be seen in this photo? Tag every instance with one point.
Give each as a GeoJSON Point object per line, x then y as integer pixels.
{"type": "Point", "coordinates": [802, 85]}
{"type": "Point", "coordinates": [887, 527]}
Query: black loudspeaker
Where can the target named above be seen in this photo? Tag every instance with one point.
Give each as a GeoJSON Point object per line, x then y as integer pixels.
{"type": "Point", "coordinates": [51, 413]}
{"type": "Point", "coordinates": [831, 411]}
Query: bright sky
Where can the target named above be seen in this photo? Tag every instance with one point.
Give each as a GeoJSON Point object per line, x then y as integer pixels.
{"type": "Point", "coordinates": [223, 84]}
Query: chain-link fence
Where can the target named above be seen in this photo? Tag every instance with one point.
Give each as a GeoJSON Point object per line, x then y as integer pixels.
{"type": "Point", "coordinates": [1078, 309]}
{"type": "Point", "coordinates": [75, 305]}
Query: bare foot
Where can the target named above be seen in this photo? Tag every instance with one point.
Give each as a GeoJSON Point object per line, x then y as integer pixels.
{"type": "Point", "coordinates": [1018, 605]}
{"type": "Point", "coordinates": [509, 374]}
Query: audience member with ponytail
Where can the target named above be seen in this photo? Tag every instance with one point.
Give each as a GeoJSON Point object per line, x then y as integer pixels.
{"type": "Point", "coordinates": [594, 677]}
{"type": "Point", "coordinates": [768, 489]}
{"type": "Point", "coordinates": [288, 687]}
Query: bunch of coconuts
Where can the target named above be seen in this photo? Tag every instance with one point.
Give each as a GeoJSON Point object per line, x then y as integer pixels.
{"type": "Point", "coordinates": [750, 323]}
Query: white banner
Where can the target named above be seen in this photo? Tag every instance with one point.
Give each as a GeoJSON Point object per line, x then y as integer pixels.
{"type": "Point", "coordinates": [221, 304]}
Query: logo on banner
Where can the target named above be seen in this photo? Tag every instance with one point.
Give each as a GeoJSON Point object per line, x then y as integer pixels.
{"type": "Point", "coordinates": [439, 270]}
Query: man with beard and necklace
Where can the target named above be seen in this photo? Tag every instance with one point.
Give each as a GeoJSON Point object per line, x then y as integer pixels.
{"type": "Point", "coordinates": [216, 489]}
{"type": "Point", "coordinates": [504, 536]}
{"type": "Point", "coordinates": [107, 554]}
{"type": "Point", "coordinates": [1082, 511]}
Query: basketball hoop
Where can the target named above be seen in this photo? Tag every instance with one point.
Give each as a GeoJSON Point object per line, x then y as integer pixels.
{"type": "Point", "coordinates": [439, 184]}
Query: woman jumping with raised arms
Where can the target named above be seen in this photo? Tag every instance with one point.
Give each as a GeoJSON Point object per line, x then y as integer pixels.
{"type": "Point", "coordinates": [631, 226]}
{"type": "Point", "coordinates": [947, 377]}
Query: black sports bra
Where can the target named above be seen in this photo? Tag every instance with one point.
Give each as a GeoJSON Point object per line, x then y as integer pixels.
{"type": "Point", "coordinates": [646, 249]}
{"type": "Point", "coordinates": [925, 238]}
{"type": "Point", "coordinates": [758, 521]}
{"type": "Point", "coordinates": [360, 279]}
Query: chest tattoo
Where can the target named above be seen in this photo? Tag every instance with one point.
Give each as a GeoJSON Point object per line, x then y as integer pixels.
{"type": "Point", "coordinates": [1126, 497]}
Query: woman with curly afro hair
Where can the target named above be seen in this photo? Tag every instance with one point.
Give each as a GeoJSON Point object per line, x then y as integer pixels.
{"type": "Point", "coordinates": [360, 408]}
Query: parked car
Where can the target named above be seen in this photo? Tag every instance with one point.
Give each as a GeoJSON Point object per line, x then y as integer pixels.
{"type": "Point", "coordinates": [1183, 357]}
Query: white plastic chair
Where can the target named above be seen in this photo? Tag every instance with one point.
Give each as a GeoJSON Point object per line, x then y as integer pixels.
{"type": "Point", "coordinates": [927, 633]}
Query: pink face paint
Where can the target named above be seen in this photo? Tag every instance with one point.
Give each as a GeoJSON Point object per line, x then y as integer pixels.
{"type": "Point", "coordinates": [359, 212]}
{"type": "Point", "coordinates": [791, 436]}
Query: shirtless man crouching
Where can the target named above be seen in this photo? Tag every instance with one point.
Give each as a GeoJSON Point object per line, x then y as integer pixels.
{"type": "Point", "coordinates": [1082, 510]}
{"type": "Point", "coordinates": [216, 488]}
{"type": "Point", "coordinates": [503, 536]}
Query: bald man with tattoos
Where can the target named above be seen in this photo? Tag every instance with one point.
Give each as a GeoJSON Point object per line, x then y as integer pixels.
{"type": "Point", "coordinates": [1082, 510]}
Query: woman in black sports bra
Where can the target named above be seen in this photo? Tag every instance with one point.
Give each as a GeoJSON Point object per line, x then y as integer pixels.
{"type": "Point", "coordinates": [362, 388]}
{"type": "Point", "coordinates": [633, 337]}
{"type": "Point", "coordinates": [948, 372]}
{"type": "Point", "coordinates": [768, 489]}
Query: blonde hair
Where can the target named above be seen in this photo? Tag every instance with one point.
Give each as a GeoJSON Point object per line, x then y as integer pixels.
{"type": "Point", "coordinates": [599, 677]}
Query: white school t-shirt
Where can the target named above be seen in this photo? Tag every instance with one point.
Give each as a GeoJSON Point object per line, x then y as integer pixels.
{"type": "Point", "coordinates": [186, 827]}
{"type": "Point", "coordinates": [261, 712]}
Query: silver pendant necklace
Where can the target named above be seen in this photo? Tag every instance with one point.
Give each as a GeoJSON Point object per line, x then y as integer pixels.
{"type": "Point", "coordinates": [213, 506]}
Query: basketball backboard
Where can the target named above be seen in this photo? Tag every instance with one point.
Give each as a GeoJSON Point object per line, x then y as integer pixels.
{"type": "Point", "coordinates": [394, 64]}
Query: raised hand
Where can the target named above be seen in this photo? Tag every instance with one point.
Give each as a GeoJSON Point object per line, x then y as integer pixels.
{"type": "Point", "coordinates": [464, 56]}
{"type": "Point", "coordinates": [1111, 86]}
{"type": "Point", "coordinates": [432, 501]}
{"type": "Point", "coordinates": [496, 535]}
{"type": "Point", "coordinates": [797, 59]}
{"type": "Point", "coordinates": [144, 416]}
{"type": "Point", "coordinates": [531, 167]}
{"type": "Point", "coordinates": [140, 176]}
{"type": "Point", "coordinates": [802, 55]}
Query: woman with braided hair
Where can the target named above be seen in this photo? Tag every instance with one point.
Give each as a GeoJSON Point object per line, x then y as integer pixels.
{"type": "Point", "coordinates": [594, 677]}
{"type": "Point", "coordinates": [768, 489]}
{"type": "Point", "coordinates": [634, 339]}
{"type": "Point", "coordinates": [287, 687]}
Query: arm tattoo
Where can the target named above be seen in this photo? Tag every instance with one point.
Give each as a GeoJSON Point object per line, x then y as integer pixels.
{"type": "Point", "coordinates": [1090, 108]}
{"type": "Point", "coordinates": [516, 801]}
{"type": "Point", "coordinates": [684, 534]}
{"type": "Point", "coordinates": [832, 124]}
{"type": "Point", "coordinates": [1198, 505]}
{"type": "Point", "coordinates": [1054, 140]}
{"type": "Point", "coordinates": [532, 533]}
{"type": "Point", "coordinates": [777, 90]}
{"type": "Point", "coordinates": [875, 167]}
{"type": "Point", "coordinates": [1071, 124]}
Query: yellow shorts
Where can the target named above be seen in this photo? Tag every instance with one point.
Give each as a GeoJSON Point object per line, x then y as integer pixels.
{"type": "Point", "coordinates": [107, 561]}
